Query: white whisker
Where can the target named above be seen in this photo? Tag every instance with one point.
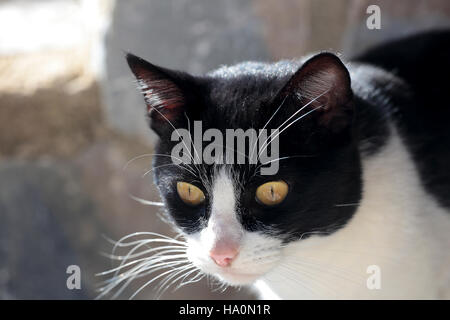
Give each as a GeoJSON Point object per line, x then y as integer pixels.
{"type": "Point", "coordinates": [153, 280]}
{"type": "Point", "coordinates": [147, 202]}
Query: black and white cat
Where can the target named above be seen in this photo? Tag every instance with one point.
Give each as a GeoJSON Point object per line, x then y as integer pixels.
{"type": "Point", "coordinates": [363, 186]}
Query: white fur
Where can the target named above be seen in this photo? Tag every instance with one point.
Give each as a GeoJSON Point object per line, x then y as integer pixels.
{"type": "Point", "coordinates": [222, 223]}
{"type": "Point", "coordinates": [397, 227]}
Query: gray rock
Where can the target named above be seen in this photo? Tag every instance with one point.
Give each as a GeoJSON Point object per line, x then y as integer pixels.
{"type": "Point", "coordinates": [35, 249]}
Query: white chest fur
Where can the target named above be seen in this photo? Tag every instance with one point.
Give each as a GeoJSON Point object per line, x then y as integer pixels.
{"type": "Point", "coordinates": [399, 235]}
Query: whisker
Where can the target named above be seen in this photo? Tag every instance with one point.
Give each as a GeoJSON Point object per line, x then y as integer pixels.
{"type": "Point", "coordinates": [270, 119]}
{"type": "Point", "coordinates": [146, 202]}
{"type": "Point", "coordinates": [170, 280]}
{"type": "Point", "coordinates": [279, 159]}
{"type": "Point", "coordinates": [347, 204]}
{"type": "Point", "coordinates": [198, 277]}
{"type": "Point", "coordinates": [161, 238]}
{"type": "Point", "coordinates": [338, 272]}
{"type": "Point", "coordinates": [142, 270]}
{"type": "Point", "coordinates": [143, 259]}
{"type": "Point", "coordinates": [156, 155]}
{"type": "Point", "coordinates": [178, 133]}
{"type": "Point", "coordinates": [293, 115]}
{"type": "Point", "coordinates": [136, 255]}
{"type": "Point", "coordinates": [308, 276]}
{"type": "Point", "coordinates": [166, 165]}
{"type": "Point", "coordinates": [134, 262]}
{"type": "Point", "coordinates": [189, 129]}
{"type": "Point", "coordinates": [153, 280]}
{"type": "Point", "coordinates": [287, 127]}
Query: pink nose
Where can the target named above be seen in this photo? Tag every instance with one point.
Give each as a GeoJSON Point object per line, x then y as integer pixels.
{"type": "Point", "coordinates": [224, 256]}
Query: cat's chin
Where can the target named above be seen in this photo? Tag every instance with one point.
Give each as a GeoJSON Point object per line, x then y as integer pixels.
{"type": "Point", "coordinates": [233, 277]}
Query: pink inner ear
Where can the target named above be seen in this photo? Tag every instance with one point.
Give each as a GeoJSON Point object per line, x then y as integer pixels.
{"type": "Point", "coordinates": [323, 83]}
{"type": "Point", "coordinates": [161, 94]}
{"type": "Point", "coordinates": [158, 87]}
{"type": "Point", "coordinates": [167, 103]}
{"type": "Point", "coordinates": [326, 76]}
{"type": "Point", "coordinates": [318, 86]}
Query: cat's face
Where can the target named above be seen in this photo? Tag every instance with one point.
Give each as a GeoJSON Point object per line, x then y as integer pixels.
{"type": "Point", "coordinates": [235, 219]}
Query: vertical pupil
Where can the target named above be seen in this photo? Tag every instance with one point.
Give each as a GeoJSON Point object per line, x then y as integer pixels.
{"type": "Point", "coordinates": [271, 192]}
{"type": "Point", "coordinates": [189, 191]}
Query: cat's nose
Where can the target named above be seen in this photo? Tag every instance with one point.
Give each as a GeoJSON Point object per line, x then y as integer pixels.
{"type": "Point", "coordinates": [223, 256]}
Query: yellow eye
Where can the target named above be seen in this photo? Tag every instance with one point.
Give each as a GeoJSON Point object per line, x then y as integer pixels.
{"type": "Point", "coordinates": [272, 193]}
{"type": "Point", "coordinates": [190, 194]}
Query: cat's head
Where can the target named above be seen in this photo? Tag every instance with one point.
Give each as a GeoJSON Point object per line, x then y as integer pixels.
{"type": "Point", "coordinates": [237, 220]}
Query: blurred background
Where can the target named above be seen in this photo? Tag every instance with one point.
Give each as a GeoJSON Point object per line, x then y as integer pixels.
{"type": "Point", "coordinates": [71, 117]}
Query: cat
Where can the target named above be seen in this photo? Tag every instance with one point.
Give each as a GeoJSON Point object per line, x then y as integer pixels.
{"type": "Point", "coordinates": [360, 205]}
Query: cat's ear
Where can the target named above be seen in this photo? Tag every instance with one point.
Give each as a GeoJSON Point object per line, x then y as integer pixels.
{"type": "Point", "coordinates": [322, 84]}
{"type": "Point", "coordinates": [164, 91]}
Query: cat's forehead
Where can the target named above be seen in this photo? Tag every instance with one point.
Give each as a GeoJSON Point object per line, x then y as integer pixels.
{"type": "Point", "coordinates": [248, 85]}
{"type": "Point", "coordinates": [260, 69]}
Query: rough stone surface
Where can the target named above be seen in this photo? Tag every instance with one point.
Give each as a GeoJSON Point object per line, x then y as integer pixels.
{"type": "Point", "coordinates": [35, 250]}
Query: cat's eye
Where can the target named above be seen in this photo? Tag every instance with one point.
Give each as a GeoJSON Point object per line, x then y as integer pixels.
{"type": "Point", "coordinates": [272, 193]}
{"type": "Point", "coordinates": [190, 194]}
